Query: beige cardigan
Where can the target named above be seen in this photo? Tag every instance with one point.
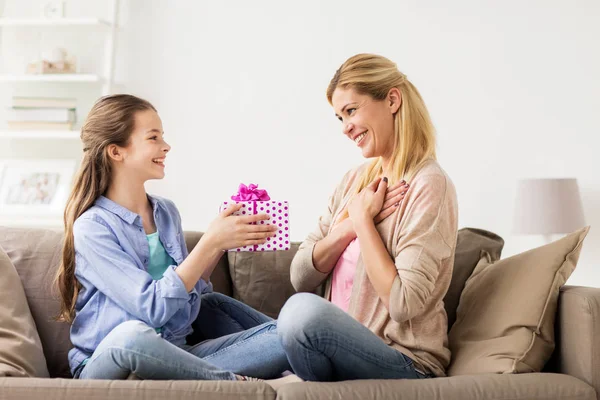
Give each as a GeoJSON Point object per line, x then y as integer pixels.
{"type": "Point", "coordinates": [421, 238]}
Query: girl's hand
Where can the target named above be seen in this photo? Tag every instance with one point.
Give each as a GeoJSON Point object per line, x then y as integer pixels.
{"type": "Point", "coordinates": [229, 231]}
{"type": "Point", "coordinates": [369, 202]}
{"type": "Point", "coordinates": [393, 197]}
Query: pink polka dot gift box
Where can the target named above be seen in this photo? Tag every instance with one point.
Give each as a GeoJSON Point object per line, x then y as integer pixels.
{"type": "Point", "coordinates": [257, 201]}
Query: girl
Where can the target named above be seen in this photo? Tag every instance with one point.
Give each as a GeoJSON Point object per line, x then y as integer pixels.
{"type": "Point", "coordinates": [386, 265]}
{"type": "Point", "coordinates": [127, 283]}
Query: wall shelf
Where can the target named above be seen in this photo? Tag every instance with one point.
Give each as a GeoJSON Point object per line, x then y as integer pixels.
{"type": "Point", "coordinates": [50, 22]}
{"type": "Point", "coordinates": [100, 78]}
{"type": "Point", "coordinates": [33, 134]}
{"type": "Point", "coordinates": [62, 78]}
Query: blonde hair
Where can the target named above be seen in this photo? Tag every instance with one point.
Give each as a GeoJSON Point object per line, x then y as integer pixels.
{"type": "Point", "coordinates": [374, 75]}
{"type": "Point", "coordinates": [110, 121]}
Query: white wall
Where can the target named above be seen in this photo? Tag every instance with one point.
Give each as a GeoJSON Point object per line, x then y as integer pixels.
{"type": "Point", "coordinates": [512, 87]}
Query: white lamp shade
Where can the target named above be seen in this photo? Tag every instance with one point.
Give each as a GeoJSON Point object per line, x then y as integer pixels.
{"type": "Point", "coordinates": [548, 206]}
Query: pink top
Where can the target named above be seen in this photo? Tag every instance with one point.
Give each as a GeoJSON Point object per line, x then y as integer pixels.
{"type": "Point", "coordinates": [343, 275]}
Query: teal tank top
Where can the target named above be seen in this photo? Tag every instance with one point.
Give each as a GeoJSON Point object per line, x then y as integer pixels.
{"type": "Point", "coordinates": [159, 258]}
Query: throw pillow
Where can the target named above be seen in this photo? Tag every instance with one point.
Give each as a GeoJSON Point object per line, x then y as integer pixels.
{"type": "Point", "coordinates": [505, 318]}
{"type": "Point", "coordinates": [469, 245]}
{"type": "Point", "coordinates": [21, 353]}
{"type": "Point", "coordinates": [36, 255]}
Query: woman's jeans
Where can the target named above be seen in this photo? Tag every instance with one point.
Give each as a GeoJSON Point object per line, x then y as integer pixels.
{"type": "Point", "coordinates": [236, 340]}
{"type": "Point", "coordinates": [323, 343]}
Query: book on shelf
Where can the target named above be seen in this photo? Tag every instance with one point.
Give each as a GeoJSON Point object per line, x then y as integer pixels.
{"type": "Point", "coordinates": [43, 102]}
{"type": "Point", "coordinates": [41, 115]}
{"type": "Point", "coordinates": [40, 125]}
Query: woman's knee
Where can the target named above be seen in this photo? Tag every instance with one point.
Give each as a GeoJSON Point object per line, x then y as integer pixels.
{"type": "Point", "coordinates": [301, 316]}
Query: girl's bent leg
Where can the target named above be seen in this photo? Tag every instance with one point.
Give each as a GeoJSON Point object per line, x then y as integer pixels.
{"type": "Point", "coordinates": [323, 343]}
{"type": "Point", "coordinates": [221, 315]}
{"type": "Point", "coordinates": [254, 352]}
{"type": "Point", "coordinates": [135, 347]}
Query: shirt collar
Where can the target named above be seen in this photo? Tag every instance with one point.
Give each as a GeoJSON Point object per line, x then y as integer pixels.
{"type": "Point", "coordinates": [126, 215]}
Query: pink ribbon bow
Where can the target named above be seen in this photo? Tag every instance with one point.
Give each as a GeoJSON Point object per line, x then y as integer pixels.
{"type": "Point", "coordinates": [250, 193]}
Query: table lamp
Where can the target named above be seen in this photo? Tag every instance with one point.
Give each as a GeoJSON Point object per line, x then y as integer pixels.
{"type": "Point", "coordinates": [547, 207]}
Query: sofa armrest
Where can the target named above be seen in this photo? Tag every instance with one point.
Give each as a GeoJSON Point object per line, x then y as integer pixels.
{"type": "Point", "coordinates": [578, 334]}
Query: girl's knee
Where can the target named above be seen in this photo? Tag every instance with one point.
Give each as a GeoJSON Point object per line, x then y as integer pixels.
{"type": "Point", "coordinates": [214, 298]}
{"type": "Point", "coordinates": [129, 334]}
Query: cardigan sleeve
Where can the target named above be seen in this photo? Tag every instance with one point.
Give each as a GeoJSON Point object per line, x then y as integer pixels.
{"type": "Point", "coordinates": [427, 237]}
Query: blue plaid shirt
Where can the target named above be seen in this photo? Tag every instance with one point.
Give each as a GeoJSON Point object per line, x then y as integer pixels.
{"type": "Point", "coordinates": [111, 261]}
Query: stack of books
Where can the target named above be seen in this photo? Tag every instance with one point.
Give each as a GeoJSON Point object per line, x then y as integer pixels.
{"type": "Point", "coordinates": [42, 113]}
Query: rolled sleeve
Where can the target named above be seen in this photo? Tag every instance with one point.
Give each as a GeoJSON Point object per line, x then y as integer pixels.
{"type": "Point", "coordinates": [205, 287]}
{"type": "Point", "coordinates": [102, 262]}
{"type": "Point", "coordinates": [174, 287]}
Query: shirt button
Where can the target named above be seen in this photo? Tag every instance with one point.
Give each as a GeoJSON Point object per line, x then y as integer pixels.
{"type": "Point", "coordinates": [145, 260]}
{"type": "Point", "coordinates": [140, 229]}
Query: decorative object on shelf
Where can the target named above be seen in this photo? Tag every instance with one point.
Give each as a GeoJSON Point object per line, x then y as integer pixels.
{"type": "Point", "coordinates": [548, 207]}
{"type": "Point", "coordinates": [35, 188]}
{"type": "Point", "coordinates": [54, 9]}
{"type": "Point", "coordinates": [56, 61]}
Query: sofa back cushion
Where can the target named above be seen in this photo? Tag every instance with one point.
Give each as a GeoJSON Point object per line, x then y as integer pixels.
{"type": "Point", "coordinates": [35, 254]}
{"type": "Point", "coordinates": [469, 246]}
{"type": "Point", "coordinates": [21, 353]}
{"type": "Point", "coordinates": [262, 279]}
{"type": "Point", "coordinates": [220, 277]}
{"type": "Point", "coordinates": [505, 319]}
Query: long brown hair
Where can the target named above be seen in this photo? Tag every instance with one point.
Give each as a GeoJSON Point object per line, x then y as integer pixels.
{"type": "Point", "coordinates": [374, 75]}
{"type": "Point", "coordinates": [110, 121]}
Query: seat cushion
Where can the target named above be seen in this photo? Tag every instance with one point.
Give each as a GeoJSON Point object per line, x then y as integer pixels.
{"type": "Point", "coordinates": [489, 387]}
{"type": "Point", "coordinates": [21, 353]}
{"type": "Point", "coordinates": [469, 245]}
{"type": "Point", "coordinates": [77, 389]}
{"type": "Point", "coordinates": [36, 255]}
{"type": "Point", "coordinates": [505, 318]}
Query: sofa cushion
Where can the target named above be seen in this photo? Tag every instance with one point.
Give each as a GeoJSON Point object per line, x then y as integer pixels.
{"type": "Point", "coordinates": [505, 318]}
{"type": "Point", "coordinates": [21, 353]}
{"type": "Point", "coordinates": [36, 255]}
{"type": "Point", "coordinates": [220, 277]}
{"type": "Point", "coordinates": [489, 387]}
{"type": "Point", "coordinates": [262, 279]}
{"type": "Point", "coordinates": [98, 389]}
{"type": "Point", "coordinates": [469, 245]}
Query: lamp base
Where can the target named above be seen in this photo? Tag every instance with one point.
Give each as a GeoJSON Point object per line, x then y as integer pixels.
{"type": "Point", "coordinates": [548, 238]}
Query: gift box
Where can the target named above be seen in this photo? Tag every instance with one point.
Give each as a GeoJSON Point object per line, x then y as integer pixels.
{"type": "Point", "coordinates": [257, 201]}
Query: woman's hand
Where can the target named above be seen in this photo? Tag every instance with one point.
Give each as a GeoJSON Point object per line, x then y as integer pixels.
{"type": "Point", "coordinates": [376, 201]}
{"type": "Point", "coordinates": [393, 197]}
{"type": "Point", "coordinates": [368, 203]}
{"type": "Point", "coordinates": [229, 231]}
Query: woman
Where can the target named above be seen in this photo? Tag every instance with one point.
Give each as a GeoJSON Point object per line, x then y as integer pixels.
{"type": "Point", "coordinates": [386, 261]}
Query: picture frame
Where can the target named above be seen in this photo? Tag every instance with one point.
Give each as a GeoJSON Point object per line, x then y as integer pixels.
{"type": "Point", "coordinates": [35, 188]}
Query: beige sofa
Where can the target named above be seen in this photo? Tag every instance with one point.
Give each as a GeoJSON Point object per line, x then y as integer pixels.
{"type": "Point", "coordinates": [572, 373]}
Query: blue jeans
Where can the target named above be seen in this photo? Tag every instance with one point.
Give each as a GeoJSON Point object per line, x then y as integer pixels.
{"type": "Point", "coordinates": [323, 343]}
{"type": "Point", "coordinates": [135, 347]}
